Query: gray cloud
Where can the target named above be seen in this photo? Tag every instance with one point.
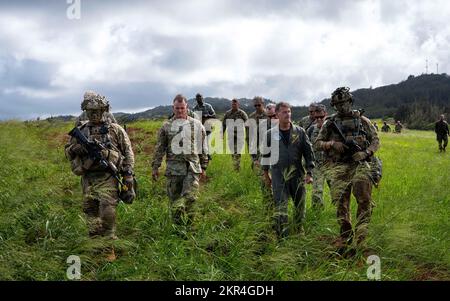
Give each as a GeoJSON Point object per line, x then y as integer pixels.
{"type": "Point", "coordinates": [25, 73]}
{"type": "Point", "coordinates": [141, 53]}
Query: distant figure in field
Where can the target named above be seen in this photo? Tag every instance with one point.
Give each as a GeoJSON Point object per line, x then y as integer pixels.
{"type": "Point", "coordinates": [385, 128]}
{"type": "Point", "coordinates": [235, 142]}
{"type": "Point", "coordinates": [398, 127]}
{"type": "Point", "coordinates": [207, 112]}
{"type": "Point", "coordinates": [376, 126]}
{"type": "Point", "coordinates": [442, 133]}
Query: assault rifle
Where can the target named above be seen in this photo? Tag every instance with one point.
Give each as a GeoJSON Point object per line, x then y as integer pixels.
{"type": "Point", "coordinates": [94, 150]}
{"type": "Point", "coordinates": [351, 144]}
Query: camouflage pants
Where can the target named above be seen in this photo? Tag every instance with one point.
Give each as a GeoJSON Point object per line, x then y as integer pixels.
{"type": "Point", "coordinates": [266, 191]}
{"type": "Point", "coordinates": [442, 140]}
{"type": "Point", "coordinates": [100, 199]}
{"type": "Point", "coordinates": [236, 161]}
{"type": "Point", "coordinates": [182, 192]}
{"type": "Point", "coordinates": [282, 190]}
{"type": "Point", "coordinates": [345, 179]}
{"type": "Point", "coordinates": [317, 187]}
{"type": "Point", "coordinates": [208, 143]}
{"type": "Point", "coordinates": [236, 156]}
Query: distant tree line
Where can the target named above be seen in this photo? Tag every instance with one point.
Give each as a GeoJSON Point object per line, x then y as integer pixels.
{"type": "Point", "coordinates": [417, 102]}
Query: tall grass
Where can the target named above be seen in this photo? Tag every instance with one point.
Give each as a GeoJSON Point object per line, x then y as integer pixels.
{"type": "Point", "coordinates": [41, 221]}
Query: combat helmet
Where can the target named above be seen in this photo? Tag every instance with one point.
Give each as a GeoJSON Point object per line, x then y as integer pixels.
{"type": "Point", "coordinates": [94, 101]}
{"type": "Point", "coordinates": [341, 94]}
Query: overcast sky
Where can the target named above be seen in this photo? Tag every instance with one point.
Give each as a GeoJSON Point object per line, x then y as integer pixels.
{"type": "Point", "coordinates": [141, 53]}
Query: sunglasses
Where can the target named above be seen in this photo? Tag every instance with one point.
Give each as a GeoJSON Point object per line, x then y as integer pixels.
{"type": "Point", "coordinates": [257, 106]}
{"type": "Point", "coordinates": [320, 117]}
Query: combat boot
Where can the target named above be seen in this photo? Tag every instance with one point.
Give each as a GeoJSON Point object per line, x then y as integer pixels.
{"type": "Point", "coordinates": [344, 249]}
{"type": "Point", "coordinates": [340, 245]}
{"type": "Point", "coordinates": [110, 233]}
{"type": "Point", "coordinates": [110, 255]}
{"type": "Point", "coordinates": [95, 226]}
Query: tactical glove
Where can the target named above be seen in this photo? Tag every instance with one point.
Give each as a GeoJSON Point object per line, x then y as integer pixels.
{"type": "Point", "coordinates": [336, 145]}
{"type": "Point", "coordinates": [79, 150]}
{"type": "Point", "coordinates": [359, 156]}
{"type": "Point", "coordinates": [128, 194]}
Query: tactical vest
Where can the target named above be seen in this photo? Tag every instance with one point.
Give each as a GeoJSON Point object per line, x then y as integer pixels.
{"type": "Point", "coordinates": [352, 129]}
{"type": "Point", "coordinates": [102, 134]}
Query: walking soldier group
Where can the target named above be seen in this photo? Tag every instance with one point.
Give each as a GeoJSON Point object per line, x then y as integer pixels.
{"type": "Point", "coordinates": [338, 149]}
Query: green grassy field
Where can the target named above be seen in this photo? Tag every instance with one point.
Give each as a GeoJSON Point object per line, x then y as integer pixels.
{"type": "Point", "coordinates": [41, 221]}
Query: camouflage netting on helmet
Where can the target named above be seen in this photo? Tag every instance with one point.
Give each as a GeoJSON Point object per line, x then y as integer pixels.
{"type": "Point", "coordinates": [341, 94]}
{"type": "Point", "coordinates": [94, 101]}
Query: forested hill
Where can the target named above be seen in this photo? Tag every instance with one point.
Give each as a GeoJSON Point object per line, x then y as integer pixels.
{"type": "Point", "coordinates": [425, 95]}
{"type": "Point", "coordinates": [416, 101]}
{"type": "Point", "coordinates": [429, 90]}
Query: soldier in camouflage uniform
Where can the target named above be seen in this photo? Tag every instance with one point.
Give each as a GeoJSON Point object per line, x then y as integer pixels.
{"type": "Point", "coordinates": [385, 128]}
{"type": "Point", "coordinates": [347, 165]}
{"type": "Point", "coordinates": [441, 130]}
{"type": "Point", "coordinates": [319, 169]}
{"type": "Point", "coordinates": [185, 163]}
{"type": "Point", "coordinates": [398, 127]}
{"type": "Point", "coordinates": [207, 112]}
{"type": "Point", "coordinates": [83, 117]}
{"type": "Point", "coordinates": [206, 109]}
{"type": "Point", "coordinates": [100, 187]}
{"type": "Point", "coordinates": [259, 116]}
{"type": "Point", "coordinates": [307, 121]}
{"type": "Point", "coordinates": [235, 142]}
{"type": "Point", "coordinates": [260, 119]}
